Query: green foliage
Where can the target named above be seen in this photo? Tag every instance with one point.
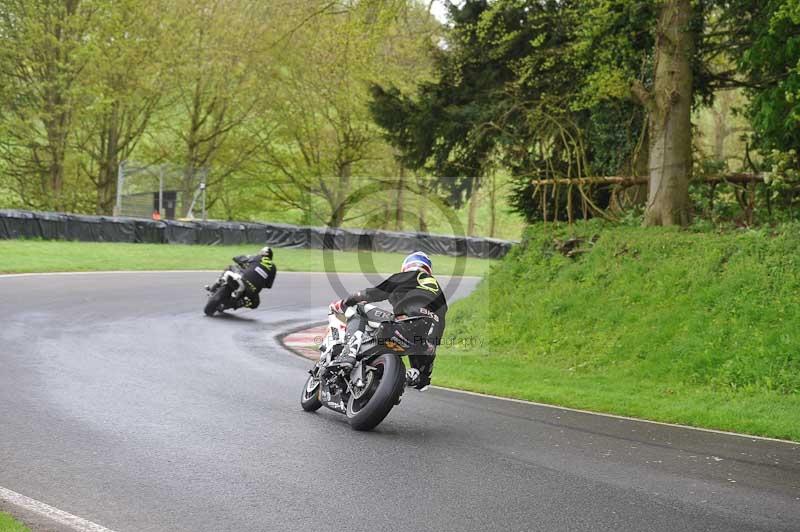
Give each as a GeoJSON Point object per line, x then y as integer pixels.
{"type": "Point", "coordinates": [292, 106]}
{"type": "Point", "coordinates": [323, 139]}
{"type": "Point", "coordinates": [773, 65]}
{"type": "Point", "coordinates": [510, 92]}
{"type": "Point", "coordinates": [45, 50]}
{"type": "Point", "coordinates": [612, 47]}
{"type": "Point", "coordinates": [696, 327]}
{"type": "Point", "coordinates": [268, 99]}
{"type": "Point", "coordinates": [550, 90]}
{"type": "Point", "coordinates": [446, 119]}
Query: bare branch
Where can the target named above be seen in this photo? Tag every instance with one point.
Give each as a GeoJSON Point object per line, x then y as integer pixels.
{"type": "Point", "coordinates": [642, 95]}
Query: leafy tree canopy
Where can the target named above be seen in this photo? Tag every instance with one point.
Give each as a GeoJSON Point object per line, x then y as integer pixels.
{"type": "Point", "coordinates": [554, 89]}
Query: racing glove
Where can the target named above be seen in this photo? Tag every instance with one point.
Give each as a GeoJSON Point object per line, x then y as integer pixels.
{"type": "Point", "coordinates": [337, 306]}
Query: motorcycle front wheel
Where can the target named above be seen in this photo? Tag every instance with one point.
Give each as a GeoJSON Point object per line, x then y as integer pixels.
{"type": "Point", "coordinates": [309, 399]}
{"type": "Point", "coordinates": [383, 391]}
{"type": "Point", "coordinates": [215, 300]}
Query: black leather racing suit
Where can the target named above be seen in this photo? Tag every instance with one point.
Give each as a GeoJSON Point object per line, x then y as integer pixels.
{"type": "Point", "coordinates": [258, 272]}
{"type": "Point", "coordinates": [412, 293]}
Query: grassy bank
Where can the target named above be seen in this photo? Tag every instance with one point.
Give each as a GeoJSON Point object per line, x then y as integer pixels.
{"type": "Point", "coordinates": [21, 256]}
{"type": "Point", "coordinates": [695, 328]}
{"type": "Point", "coordinates": [9, 524]}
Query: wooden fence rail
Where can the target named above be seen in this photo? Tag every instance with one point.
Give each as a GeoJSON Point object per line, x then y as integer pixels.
{"type": "Point", "coordinates": [737, 178]}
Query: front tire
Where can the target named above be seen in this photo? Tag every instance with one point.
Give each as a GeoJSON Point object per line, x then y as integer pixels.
{"type": "Point", "coordinates": [366, 413]}
{"type": "Point", "coordinates": [215, 301]}
{"type": "Point", "coordinates": [309, 399]}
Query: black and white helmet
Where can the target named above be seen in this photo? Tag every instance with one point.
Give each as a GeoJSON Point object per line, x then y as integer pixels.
{"type": "Point", "coordinates": [266, 251]}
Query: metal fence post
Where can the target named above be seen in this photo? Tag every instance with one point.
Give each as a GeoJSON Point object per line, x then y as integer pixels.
{"type": "Point", "coordinates": [120, 183]}
{"type": "Point", "coordinates": [203, 188]}
{"type": "Point", "coordinates": [161, 191]}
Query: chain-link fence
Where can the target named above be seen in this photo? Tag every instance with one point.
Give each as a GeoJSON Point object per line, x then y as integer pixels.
{"type": "Point", "coordinates": [161, 192]}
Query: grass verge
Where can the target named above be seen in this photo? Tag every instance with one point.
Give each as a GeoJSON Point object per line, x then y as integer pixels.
{"type": "Point", "coordinates": [24, 256]}
{"type": "Point", "coordinates": [9, 524]}
{"type": "Point", "coordinates": [692, 328]}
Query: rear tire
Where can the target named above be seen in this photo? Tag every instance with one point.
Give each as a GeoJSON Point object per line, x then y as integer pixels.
{"type": "Point", "coordinates": [215, 300]}
{"type": "Point", "coordinates": [309, 399]}
{"type": "Point", "coordinates": [387, 394]}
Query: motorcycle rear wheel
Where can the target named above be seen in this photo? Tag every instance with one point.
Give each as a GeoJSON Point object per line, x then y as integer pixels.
{"type": "Point", "coordinates": [368, 411]}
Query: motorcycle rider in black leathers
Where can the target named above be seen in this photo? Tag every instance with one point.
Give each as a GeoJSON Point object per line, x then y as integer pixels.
{"type": "Point", "coordinates": [258, 272]}
{"type": "Point", "coordinates": [413, 292]}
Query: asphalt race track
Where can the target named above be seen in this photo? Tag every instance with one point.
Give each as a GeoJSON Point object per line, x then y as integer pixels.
{"type": "Point", "coordinates": [122, 404]}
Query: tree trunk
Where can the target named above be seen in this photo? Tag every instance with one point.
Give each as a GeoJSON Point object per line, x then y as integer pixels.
{"type": "Point", "coordinates": [193, 142]}
{"type": "Point", "coordinates": [107, 188]}
{"type": "Point", "coordinates": [473, 208]}
{"type": "Point", "coordinates": [423, 223]}
{"type": "Point", "coordinates": [56, 174]}
{"type": "Point", "coordinates": [187, 188]}
{"type": "Point", "coordinates": [337, 216]}
{"type": "Point", "coordinates": [57, 127]}
{"type": "Point", "coordinates": [670, 107]}
{"type": "Point", "coordinates": [492, 204]}
{"type": "Point", "coordinates": [107, 180]}
{"type": "Point", "coordinates": [57, 105]}
{"type": "Point", "coordinates": [721, 133]}
{"type": "Point", "coordinates": [724, 126]}
{"type": "Point", "coordinates": [308, 208]}
{"type": "Point", "coordinates": [398, 217]}
{"type": "Point", "coordinates": [339, 202]}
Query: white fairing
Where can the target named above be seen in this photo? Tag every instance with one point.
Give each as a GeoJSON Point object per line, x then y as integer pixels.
{"type": "Point", "coordinates": [236, 277]}
{"type": "Point", "coordinates": [337, 329]}
{"type": "Point", "coordinates": [232, 275]}
{"type": "Point", "coordinates": [337, 323]}
{"type": "Point", "coordinates": [372, 325]}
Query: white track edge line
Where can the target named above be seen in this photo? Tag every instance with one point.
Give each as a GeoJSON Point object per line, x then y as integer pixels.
{"type": "Point", "coordinates": [61, 517]}
{"type": "Point", "coordinates": [617, 416]}
{"type": "Point", "coordinates": [102, 272]}
{"type": "Point", "coordinates": [578, 410]}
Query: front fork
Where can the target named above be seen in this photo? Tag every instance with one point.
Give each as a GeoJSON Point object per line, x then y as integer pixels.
{"type": "Point", "coordinates": [354, 383]}
{"type": "Point", "coordinates": [228, 275]}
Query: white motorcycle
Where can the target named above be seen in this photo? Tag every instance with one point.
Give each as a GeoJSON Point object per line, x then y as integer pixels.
{"type": "Point", "coordinates": [367, 392]}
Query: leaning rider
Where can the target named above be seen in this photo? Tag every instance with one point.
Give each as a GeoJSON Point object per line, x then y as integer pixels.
{"type": "Point", "coordinates": [258, 272]}
{"type": "Point", "coordinates": [413, 292]}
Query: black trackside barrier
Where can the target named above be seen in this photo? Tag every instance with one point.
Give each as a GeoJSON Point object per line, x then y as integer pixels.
{"type": "Point", "coordinates": [254, 233]}
{"type": "Point", "coordinates": [60, 226]}
{"type": "Point", "coordinates": [180, 232]}
{"type": "Point", "coordinates": [233, 233]}
{"type": "Point", "coordinates": [209, 233]}
{"type": "Point", "coordinates": [391, 242]}
{"type": "Point", "coordinates": [20, 224]}
{"type": "Point", "coordinates": [52, 225]}
{"type": "Point", "coordinates": [356, 239]}
{"type": "Point", "coordinates": [149, 231]}
{"type": "Point", "coordinates": [81, 227]}
{"type": "Point", "coordinates": [365, 241]}
{"type": "Point", "coordinates": [118, 229]}
{"type": "Point", "coordinates": [286, 236]}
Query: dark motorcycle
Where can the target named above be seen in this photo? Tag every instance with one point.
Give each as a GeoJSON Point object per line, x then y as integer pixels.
{"type": "Point", "coordinates": [227, 293]}
{"type": "Point", "coordinates": [374, 386]}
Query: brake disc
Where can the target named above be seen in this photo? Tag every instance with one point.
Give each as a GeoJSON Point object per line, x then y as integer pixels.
{"type": "Point", "coordinates": [359, 391]}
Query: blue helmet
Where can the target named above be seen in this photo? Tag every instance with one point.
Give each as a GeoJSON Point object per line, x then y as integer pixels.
{"type": "Point", "coordinates": [418, 261]}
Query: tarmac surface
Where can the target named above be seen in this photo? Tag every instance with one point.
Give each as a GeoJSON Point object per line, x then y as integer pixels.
{"type": "Point", "coordinates": [122, 404]}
